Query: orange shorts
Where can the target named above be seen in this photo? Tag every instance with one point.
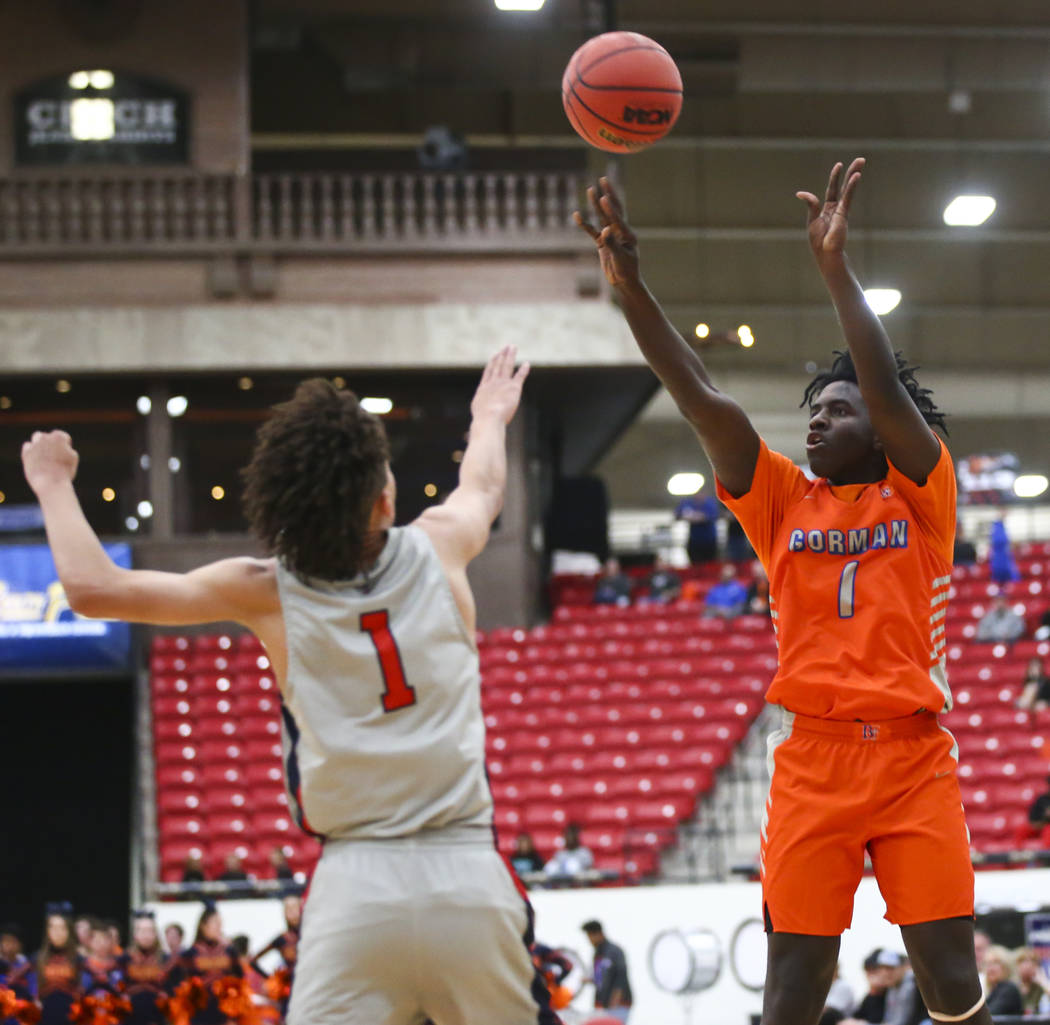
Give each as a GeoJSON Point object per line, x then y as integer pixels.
{"type": "Point", "coordinates": [842, 788]}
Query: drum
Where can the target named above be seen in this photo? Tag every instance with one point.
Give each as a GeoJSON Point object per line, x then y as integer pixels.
{"type": "Point", "coordinates": [685, 960]}
{"type": "Point", "coordinates": [747, 954]}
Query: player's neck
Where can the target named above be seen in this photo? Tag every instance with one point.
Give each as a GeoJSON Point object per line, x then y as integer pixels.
{"type": "Point", "coordinates": [869, 471]}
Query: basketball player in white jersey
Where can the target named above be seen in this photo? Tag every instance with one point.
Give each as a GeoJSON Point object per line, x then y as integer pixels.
{"type": "Point", "coordinates": [370, 629]}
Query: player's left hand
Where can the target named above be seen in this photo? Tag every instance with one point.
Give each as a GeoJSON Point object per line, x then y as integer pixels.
{"type": "Point", "coordinates": [49, 458]}
{"type": "Point", "coordinates": [499, 392]}
{"type": "Point", "coordinates": [828, 223]}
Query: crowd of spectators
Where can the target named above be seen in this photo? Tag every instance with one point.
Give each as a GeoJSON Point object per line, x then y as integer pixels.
{"type": "Point", "coordinates": [83, 973]}
{"type": "Point", "coordinates": [234, 873]}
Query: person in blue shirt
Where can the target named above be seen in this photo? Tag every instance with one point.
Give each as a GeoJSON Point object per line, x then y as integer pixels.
{"type": "Point", "coordinates": [701, 512]}
{"type": "Point", "coordinates": [1001, 562]}
{"type": "Point", "coordinates": [728, 598]}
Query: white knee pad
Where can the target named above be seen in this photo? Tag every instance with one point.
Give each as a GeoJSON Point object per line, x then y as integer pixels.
{"type": "Point", "coordinates": [959, 1017]}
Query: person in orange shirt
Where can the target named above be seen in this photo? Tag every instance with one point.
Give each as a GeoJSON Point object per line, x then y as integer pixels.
{"type": "Point", "coordinates": [859, 562]}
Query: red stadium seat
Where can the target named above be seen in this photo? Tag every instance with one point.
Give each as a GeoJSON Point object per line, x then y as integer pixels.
{"type": "Point", "coordinates": [225, 774]}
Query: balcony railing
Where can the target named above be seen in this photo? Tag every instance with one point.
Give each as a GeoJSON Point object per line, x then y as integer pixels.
{"type": "Point", "coordinates": [175, 212]}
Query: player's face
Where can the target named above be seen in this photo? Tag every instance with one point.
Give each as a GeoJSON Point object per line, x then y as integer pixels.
{"type": "Point", "coordinates": [841, 442]}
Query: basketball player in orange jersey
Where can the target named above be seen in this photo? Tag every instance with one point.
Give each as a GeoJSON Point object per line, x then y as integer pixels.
{"type": "Point", "coordinates": [859, 562]}
{"type": "Point", "coordinates": [370, 630]}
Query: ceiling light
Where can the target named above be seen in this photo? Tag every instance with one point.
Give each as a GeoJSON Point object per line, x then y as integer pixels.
{"type": "Point", "coordinates": [882, 300]}
{"type": "Point", "coordinates": [92, 120]}
{"type": "Point", "coordinates": [144, 404]}
{"type": "Point", "coordinates": [969, 211]}
{"type": "Point", "coordinates": [1030, 485]}
{"type": "Point", "coordinates": [177, 405]}
{"type": "Point", "coordinates": [108, 494]}
{"type": "Point", "coordinates": [685, 483]}
{"type": "Point", "coordinates": [5, 402]}
{"type": "Point", "coordinates": [101, 80]}
{"type": "Point", "coordinates": [131, 523]}
{"type": "Point", "coordinates": [3, 498]}
{"type": "Point", "coordinates": [339, 382]}
{"type": "Point", "coordinates": [702, 330]}
{"type": "Point", "coordinates": [518, 5]}
{"type": "Point", "coordinates": [430, 490]}
{"type": "Point", "coordinates": [746, 336]}
{"type": "Point", "coordinates": [79, 80]}
{"type": "Point", "coordinates": [245, 383]}
{"type": "Point", "coordinates": [144, 509]}
{"type": "Point", "coordinates": [174, 464]}
{"type": "Point", "coordinates": [218, 492]}
{"type": "Point", "coordinates": [62, 386]}
{"type": "Point", "coordinates": [377, 406]}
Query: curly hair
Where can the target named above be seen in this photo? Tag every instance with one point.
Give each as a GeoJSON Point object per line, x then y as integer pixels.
{"type": "Point", "coordinates": [842, 369]}
{"type": "Point", "coordinates": [318, 467]}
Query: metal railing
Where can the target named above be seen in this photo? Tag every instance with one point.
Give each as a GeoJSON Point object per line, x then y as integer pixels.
{"type": "Point", "coordinates": [185, 212]}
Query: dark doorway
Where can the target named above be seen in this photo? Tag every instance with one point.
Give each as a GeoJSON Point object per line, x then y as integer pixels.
{"type": "Point", "coordinates": [66, 751]}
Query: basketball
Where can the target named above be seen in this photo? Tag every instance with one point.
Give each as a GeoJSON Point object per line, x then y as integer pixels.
{"type": "Point", "coordinates": [622, 92]}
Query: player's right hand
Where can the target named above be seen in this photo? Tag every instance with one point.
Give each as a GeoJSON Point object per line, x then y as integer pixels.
{"type": "Point", "coordinates": [499, 392]}
{"type": "Point", "coordinates": [49, 458]}
{"type": "Point", "coordinates": [617, 243]}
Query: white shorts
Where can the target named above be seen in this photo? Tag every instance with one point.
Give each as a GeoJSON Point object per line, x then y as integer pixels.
{"type": "Point", "coordinates": [398, 931]}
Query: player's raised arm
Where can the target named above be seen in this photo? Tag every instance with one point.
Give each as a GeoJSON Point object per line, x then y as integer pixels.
{"type": "Point", "coordinates": [728, 438]}
{"type": "Point", "coordinates": [909, 443]}
{"type": "Point", "coordinates": [459, 527]}
{"type": "Point", "coordinates": [237, 590]}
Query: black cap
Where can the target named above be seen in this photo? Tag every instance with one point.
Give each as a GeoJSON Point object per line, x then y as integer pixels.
{"type": "Point", "coordinates": [871, 962]}
{"type": "Point", "coordinates": [592, 926]}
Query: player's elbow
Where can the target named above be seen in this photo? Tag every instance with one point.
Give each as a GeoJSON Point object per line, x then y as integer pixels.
{"type": "Point", "coordinates": [86, 600]}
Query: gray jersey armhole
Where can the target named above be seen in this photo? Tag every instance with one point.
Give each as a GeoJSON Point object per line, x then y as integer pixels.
{"type": "Point", "coordinates": [427, 546]}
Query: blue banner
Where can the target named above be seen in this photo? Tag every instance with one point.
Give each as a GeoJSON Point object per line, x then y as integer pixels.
{"type": "Point", "coordinates": [39, 633]}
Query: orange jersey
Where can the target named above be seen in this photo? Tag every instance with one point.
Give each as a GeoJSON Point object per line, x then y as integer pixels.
{"type": "Point", "coordinates": [859, 578]}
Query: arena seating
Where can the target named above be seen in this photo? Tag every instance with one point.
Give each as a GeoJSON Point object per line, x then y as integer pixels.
{"type": "Point", "coordinates": [614, 717]}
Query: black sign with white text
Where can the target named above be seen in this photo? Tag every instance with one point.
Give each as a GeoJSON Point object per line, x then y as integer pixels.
{"type": "Point", "coordinates": [101, 117]}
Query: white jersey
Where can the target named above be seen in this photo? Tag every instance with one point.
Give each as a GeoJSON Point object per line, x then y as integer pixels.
{"type": "Point", "coordinates": [383, 731]}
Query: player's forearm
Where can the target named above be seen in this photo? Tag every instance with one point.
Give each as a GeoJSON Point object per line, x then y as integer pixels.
{"type": "Point", "coordinates": [868, 342]}
{"type": "Point", "coordinates": [484, 466]}
{"type": "Point", "coordinates": [83, 566]}
{"type": "Point", "coordinates": [672, 359]}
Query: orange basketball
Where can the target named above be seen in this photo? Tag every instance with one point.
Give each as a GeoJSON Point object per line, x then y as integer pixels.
{"type": "Point", "coordinates": [622, 92]}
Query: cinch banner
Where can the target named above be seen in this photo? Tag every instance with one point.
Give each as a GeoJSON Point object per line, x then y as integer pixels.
{"type": "Point", "coordinates": [38, 630]}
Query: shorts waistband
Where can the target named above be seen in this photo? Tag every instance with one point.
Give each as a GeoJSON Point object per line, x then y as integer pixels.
{"type": "Point", "coordinates": [456, 836]}
{"type": "Point", "coordinates": [886, 729]}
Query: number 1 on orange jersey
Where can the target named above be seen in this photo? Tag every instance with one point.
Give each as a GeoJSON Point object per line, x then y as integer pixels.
{"type": "Point", "coordinates": [398, 693]}
{"type": "Point", "coordinates": [847, 589]}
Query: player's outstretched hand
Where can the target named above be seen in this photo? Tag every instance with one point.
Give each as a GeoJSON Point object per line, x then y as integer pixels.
{"type": "Point", "coordinates": [49, 458]}
{"type": "Point", "coordinates": [828, 223]}
{"type": "Point", "coordinates": [617, 243]}
{"type": "Point", "coordinates": [499, 392]}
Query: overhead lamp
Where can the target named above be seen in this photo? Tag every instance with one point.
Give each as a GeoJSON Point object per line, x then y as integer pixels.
{"type": "Point", "coordinates": [518, 5]}
{"type": "Point", "coordinates": [108, 494]}
{"type": "Point", "coordinates": [882, 300]}
{"type": "Point", "coordinates": [1030, 485]}
{"type": "Point", "coordinates": [430, 490]}
{"type": "Point", "coordinates": [177, 405]}
{"type": "Point", "coordinates": [101, 79]}
{"type": "Point", "coordinates": [685, 483]}
{"type": "Point", "coordinates": [702, 330]}
{"type": "Point", "coordinates": [131, 523]}
{"type": "Point", "coordinates": [62, 386]}
{"type": "Point", "coordinates": [376, 405]}
{"type": "Point", "coordinates": [746, 336]}
{"type": "Point", "coordinates": [145, 509]}
{"type": "Point", "coordinates": [144, 404]}
{"type": "Point", "coordinates": [245, 383]}
{"type": "Point", "coordinates": [218, 492]}
{"type": "Point", "coordinates": [969, 211]}
{"type": "Point", "coordinates": [92, 120]}
{"type": "Point", "coordinates": [80, 80]}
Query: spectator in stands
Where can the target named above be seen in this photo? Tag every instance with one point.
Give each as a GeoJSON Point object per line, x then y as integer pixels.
{"type": "Point", "coordinates": [904, 1004]}
{"type": "Point", "coordinates": [1033, 984]}
{"type": "Point", "coordinates": [758, 591]}
{"type": "Point", "coordinates": [612, 987]}
{"type": "Point", "coordinates": [233, 870]}
{"type": "Point", "coordinates": [872, 1009]}
{"type": "Point", "coordinates": [573, 859]}
{"type": "Point", "coordinates": [279, 863]}
{"type": "Point", "coordinates": [701, 512]}
{"type": "Point", "coordinates": [728, 598]}
{"type": "Point", "coordinates": [1035, 691]}
{"type": "Point", "coordinates": [665, 586]}
{"type": "Point", "coordinates": [738, 548]}
{"type": "Point", "coordinates": [1000, 623]}
{"type": "Point", "coordinates": [1003, 995]}
{"type": "Point", "coordinates": [613, 586]}
{"type": "Point", "coordinates": [525, 858]}
{"type": "Point", "coordinates": [965, 553]}
{"type": "Point", "coordinates": [174, 935]}
{"type": "Point", "coordinates": [192, 869]}
{"type": "Point", "coordinates": [840, 996]}
{"type": "Point", "coordinates": [1001, 564]}
{"type": "Point", "coordinates": [981, 943]}
{"type": "Point", "coordinates": [1037, 825]}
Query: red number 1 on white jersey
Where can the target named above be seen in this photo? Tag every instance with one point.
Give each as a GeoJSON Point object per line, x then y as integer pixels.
{"type": "Point", "coordinates": [398, 693]}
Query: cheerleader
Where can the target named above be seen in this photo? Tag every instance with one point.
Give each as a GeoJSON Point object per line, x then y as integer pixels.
{"type": "Point", "coordinates": [145, 968]}
{"type": "Point", "coordinates": [209, 960]}
{"type": "Point", "coordinates": [287, 946]}
{"type": "Point", "coordinates": [57, 970]}
{"type": "Point", "coordinates": [102, 974]}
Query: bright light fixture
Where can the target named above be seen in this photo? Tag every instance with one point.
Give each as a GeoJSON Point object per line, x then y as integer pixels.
{"type": "Point", "coordinates": [377, 405]}
{"type": "Point", "coordinates": [969, 211]}
{"type": "Point", "coordinates": [430, 490]}
{"type": "Point", "coordinates": [218, 492]}
{"type": "Point", "coordinates": [882, 300]}
{"type": "Point", "coordinates": [245, 383]}
{"type": "Point", "coordinates": [101, 80]}
{"type": "Point", "coordinates": [131, 523]}
{"type": "Point", "coordinates": [62, 386]}
{"type": "Point", "coordinates": [79, 80]}
{"type": "Point", "coordinates": [145, 509]}
{"type": "Point", "coordinates": [518, 5]}
{"type": "Point", "coordinates": [1030, 485]}
{"type": "Point", "coordinates": [144, 404]}
{"type": "Point", "coordinates": [108, 494]}
{"type": "Point", "coordinates": [685, 483]}
{"type": "Point", "coordinates": [177, 405]}
{"type": "Point", "coordinates": [174, 464]}
{"type": "Point", "coordinates": [92, 120]}
{"type": "Point", "coordinates": [702, 330]}
{"type": "Point", "coordinates": [746, 336]}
